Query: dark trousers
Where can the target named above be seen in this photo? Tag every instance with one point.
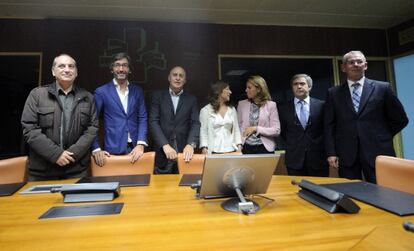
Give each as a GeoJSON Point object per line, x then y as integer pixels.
{"type": "Point", "coordinates": [255, 149]}
{"type": "Point", "coordinates": [164, 165]}
{"type": "Point", "coordinates": [34, 177]}
{"type": "Point", "coordinates": [361, 167]}
{"type": "Point", "coordinates": [168, 167]}
{"type": "Point", "coordinates": [308, 169]}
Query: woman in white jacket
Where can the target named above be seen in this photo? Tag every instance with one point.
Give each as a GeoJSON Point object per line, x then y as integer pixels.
{"type": "Point", "coordinates": [219, 132]}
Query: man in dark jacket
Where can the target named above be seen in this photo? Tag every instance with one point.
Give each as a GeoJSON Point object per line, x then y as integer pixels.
{"type": "Point", "coordinates": [362, 116]}
{"type": "Point", "coordinates": [301, 120]}
{"type": "Point", "coordinates": [59, 125]}
{"type": "Point", "coordinates": [174, 123]}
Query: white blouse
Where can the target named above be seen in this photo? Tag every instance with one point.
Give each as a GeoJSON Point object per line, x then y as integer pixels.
{"type": "Point", "coordinates": [219, 134]}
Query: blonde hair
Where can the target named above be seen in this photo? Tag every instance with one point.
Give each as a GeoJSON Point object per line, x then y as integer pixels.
{"type": "Point", "coordinates": [263, 95]}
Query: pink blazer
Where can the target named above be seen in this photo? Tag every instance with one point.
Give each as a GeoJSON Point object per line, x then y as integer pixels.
{"type": "Point", "coordinates": [269, 124]}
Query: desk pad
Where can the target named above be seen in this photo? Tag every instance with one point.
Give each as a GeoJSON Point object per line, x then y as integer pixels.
{"type": "Point", "coordinates": [124, 180]}
{"type": "Point", "coordinates": [9, 189]}
{"type": "Point", "coordinates": [84, 210]}
{"type": "Point", "coordinates": [189, 179]}
{"type": "Point", "coordinates": [391, 200]}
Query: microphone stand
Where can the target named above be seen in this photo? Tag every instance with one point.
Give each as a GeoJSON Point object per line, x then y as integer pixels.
{"type": "Point", "coordinates": [408, 226]}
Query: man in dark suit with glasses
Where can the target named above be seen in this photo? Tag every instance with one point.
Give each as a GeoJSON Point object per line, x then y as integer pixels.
{"type": "Point", "coordinates": [362, 116]}
{"type": "Point", "coordinates": [301, 120]}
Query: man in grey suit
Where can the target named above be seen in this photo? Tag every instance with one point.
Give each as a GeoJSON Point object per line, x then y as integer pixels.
{"type": "Point", "coordinates": [361, 118]}
{"type": "Point", "coordinates": [301, 120]}
{"type": "Point", "coordinates": [174, 123]}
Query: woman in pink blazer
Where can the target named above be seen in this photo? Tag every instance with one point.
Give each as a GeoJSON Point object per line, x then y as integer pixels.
{"type": "Point", "coordinates": [258, 118]}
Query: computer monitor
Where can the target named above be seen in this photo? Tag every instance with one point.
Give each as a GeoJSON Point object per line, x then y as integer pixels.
{"type": "Point", "coordinates": [250, 173]}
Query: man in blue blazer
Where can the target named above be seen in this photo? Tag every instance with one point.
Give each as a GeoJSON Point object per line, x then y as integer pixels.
{"type": "Point", "coordinates": [174, 123]}
{"type": "Point", "coordinates": [301, 120]}
{"type": "Point", "coordinates": [361, 118]}
{"type": "Point", "coordinates": [122, 105]}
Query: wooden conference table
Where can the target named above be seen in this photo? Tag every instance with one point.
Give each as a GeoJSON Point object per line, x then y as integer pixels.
{"type": "Point", "coordinates": [168, 217]}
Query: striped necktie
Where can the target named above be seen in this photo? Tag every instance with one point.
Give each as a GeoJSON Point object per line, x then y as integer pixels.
{"type": "Point", "coordinates": [356, 95]}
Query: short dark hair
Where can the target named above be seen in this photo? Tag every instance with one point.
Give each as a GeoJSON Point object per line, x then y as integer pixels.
{"type": "Point", "coordinates": [60, 55]}
{"type": "Point", "coordinates": [119, 56]}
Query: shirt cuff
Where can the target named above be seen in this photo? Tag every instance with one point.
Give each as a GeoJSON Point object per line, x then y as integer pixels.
{"type": "Point", "coordinates": [96, 150]}
{"type": "Point", "coordinates": [139, 142]}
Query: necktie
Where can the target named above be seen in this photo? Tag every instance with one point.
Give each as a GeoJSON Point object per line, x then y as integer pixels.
{"type": "Point", "coordinates": [303, 114]}
{"type": "Point", "coordinates": [356, 95]}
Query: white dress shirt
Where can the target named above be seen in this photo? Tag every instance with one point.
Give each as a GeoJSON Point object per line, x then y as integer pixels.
{"type": "Point", "coordinates": [175, 98]}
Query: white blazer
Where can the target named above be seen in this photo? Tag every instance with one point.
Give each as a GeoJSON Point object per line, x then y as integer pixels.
{"type": "Point", "coordinates": [207, 136]}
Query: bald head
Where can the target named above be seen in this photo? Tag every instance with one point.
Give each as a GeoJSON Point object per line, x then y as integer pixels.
{"type": "Point", "coordinates": [177, 78]}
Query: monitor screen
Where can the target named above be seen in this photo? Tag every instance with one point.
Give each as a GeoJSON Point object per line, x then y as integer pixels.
{"type": "Point", "coordinates": [251, 173]}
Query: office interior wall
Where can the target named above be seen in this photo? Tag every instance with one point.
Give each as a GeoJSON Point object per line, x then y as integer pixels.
{"type": "Point", "coordinates": [403, 67]}
{"type": "Point", "coordinates": [15, 87]}
{"type": "Point", "coordinates": [401, 38]}
{"type": "Point", "coordinates": [155, 47]}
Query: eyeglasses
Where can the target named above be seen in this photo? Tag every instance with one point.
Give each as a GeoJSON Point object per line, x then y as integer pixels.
{"type": "Point", "coordinates": [357, 62]}
{"type": "Point", "coordinates": [121, 65]}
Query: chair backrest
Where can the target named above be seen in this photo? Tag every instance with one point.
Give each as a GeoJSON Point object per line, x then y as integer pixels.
{"type": "Point", "coordinates": [118, 165]}
{"type": "Point", "coordinates": [395, 173]}
{"type": "Point", "coordinates": [194, 166]}
{"type": "Point", "coordinates": [13, 170]}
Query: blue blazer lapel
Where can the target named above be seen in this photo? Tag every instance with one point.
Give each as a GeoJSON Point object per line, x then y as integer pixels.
{"type": "Point", "coordinates": [114, 95]}
{"type": "Point", "coordinates": [366, 93]}
{"type": "Point", "coordinates": [132, 97]}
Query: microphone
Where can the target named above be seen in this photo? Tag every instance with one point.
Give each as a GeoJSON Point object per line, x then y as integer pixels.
{"type": "Point", "coordinates": [55, 189]}
{"type": "Point", "coordinates": [196, 185]}
{"type": "Point", "coordinates": [323, 191]}
{"type": "Point", "coordinates": [409, 226]}
{"type": "Point", "coordinates": [325, 198]}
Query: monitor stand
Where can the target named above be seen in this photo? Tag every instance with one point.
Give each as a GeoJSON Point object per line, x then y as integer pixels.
{"type": "Point", "coordinates": [240, 204]}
